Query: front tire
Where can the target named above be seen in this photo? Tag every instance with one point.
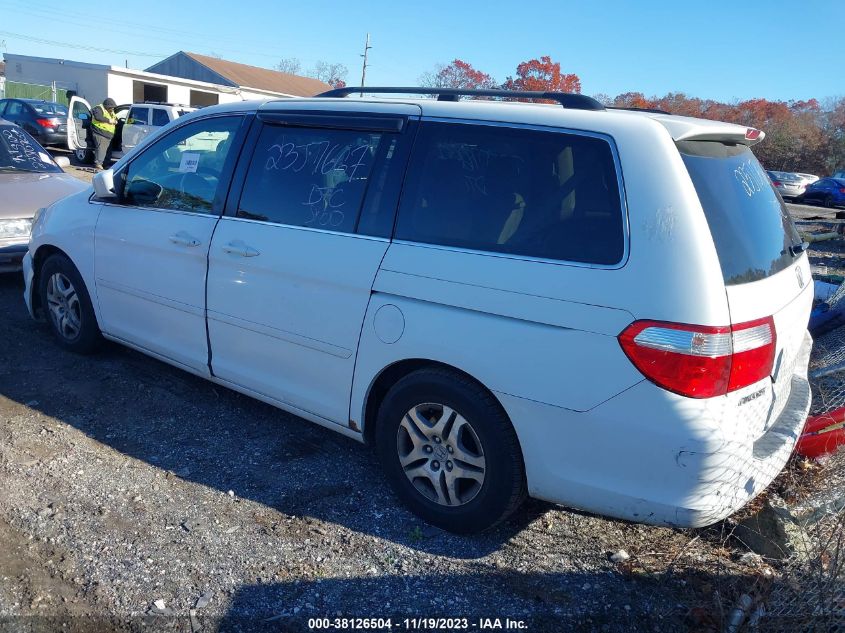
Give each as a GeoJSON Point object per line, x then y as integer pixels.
{"type": "Point", "coordinates": [449, 451]}
{"type": "Point", "coordinates": [67, 306]}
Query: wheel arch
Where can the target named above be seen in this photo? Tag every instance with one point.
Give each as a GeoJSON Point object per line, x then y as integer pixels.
{"type": "Point", "coordinates": [39, 257]}
{"type": "Point", "coordinates": [395, 372]}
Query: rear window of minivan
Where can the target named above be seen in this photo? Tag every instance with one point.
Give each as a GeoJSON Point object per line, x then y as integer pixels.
{"type": "Point", "coordinates": [526, 192]}
{"type": "Point", "coordinates": [751, 227]}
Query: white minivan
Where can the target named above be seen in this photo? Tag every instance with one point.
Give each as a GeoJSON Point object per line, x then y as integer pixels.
{"type": "Point", "coordinates": [598, 307]}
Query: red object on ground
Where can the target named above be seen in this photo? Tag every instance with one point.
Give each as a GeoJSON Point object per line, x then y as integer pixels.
{"type": "Point", "coordinates": [822, 434]}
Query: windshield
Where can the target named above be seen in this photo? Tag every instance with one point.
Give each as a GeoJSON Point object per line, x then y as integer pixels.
{"type": "Point", "coordinates": [49, 109]}
{"type": "Point", "coordinates": [20, 152]}
{"type": "Point", "coordinates": [751, 227]}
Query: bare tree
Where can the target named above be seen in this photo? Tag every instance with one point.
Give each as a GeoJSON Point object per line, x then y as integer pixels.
{"type": "Point", "coordinates": [289, 65]}
{"type": "Point", "coordinates": [332, 74]}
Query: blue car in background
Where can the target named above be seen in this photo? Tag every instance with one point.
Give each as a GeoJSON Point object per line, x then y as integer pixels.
{"type": "Point", "coordinates": [828, 191]}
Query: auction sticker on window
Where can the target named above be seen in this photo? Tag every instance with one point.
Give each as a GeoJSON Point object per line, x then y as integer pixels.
{"type": "Point", "coordinates": [190, 162]}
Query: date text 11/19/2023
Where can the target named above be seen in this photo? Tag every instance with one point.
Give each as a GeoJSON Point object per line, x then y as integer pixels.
{"type": "Point", "coordinates": [416, 624]}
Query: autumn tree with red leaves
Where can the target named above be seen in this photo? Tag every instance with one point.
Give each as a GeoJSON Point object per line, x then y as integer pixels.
{"type": "Point", "coordinates": [458, 74]}
{"type": "Point", "coordinates": [544, 75]}
{"type": "Point", "coordinates": [801, 136]}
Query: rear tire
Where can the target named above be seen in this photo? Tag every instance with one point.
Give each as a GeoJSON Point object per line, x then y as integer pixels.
{"type": "Point", "coordinates": [828, 202]}
{"type": "Point", "coordinates": [449, 451]}
{"type": "Point", "coordinates": [67, 306]}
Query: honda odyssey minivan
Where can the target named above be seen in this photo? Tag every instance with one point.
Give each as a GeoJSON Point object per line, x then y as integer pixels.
{"type": "Point", "coordinates": [599, 307]}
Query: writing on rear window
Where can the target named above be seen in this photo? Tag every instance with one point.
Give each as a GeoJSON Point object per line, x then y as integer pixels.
{"type": "Point", "coordinates": [750, 175]}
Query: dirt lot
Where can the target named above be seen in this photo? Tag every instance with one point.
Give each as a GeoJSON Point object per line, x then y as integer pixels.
{"type": "Point", "coordinates": [134, 496]}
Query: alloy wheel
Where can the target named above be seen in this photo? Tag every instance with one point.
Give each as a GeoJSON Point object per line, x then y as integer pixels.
{"type": "Point", "coordinates": [440, 454]}
{"type": "Point", "coordinates": [64, 306]}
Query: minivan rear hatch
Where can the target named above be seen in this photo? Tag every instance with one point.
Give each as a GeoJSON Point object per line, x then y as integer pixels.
{"type": "Point", "coordinates": [766, 272]}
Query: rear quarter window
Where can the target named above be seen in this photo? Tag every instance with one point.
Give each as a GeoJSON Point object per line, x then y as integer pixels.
{"type": "Point", "coordinates": [750, 225]}
{"type": "Point", "coordinates": [160, 118]}
{"type": "Point", "coordinates": [544, 194]}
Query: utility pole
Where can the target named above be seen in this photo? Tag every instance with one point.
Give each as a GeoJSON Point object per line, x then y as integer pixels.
{"type": "Point", "coordinates": [367, 47]}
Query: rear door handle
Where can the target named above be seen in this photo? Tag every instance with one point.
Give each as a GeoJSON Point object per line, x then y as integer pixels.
{"type": "Point", "coordinates": [239, 248]}
{"type": "Point", "coordinates": [184, 239]}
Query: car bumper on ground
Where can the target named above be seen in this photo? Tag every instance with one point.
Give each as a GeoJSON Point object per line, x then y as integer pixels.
{"type": "Point", "coordinates": [682, 462]}
{"type": "Point", "coordinates": [28, 278]}
{"type": "Point", "coordinates": [11, 255]}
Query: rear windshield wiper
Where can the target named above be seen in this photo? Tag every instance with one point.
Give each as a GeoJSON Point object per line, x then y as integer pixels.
{"type": "Point", "coordinates": [797, 249]}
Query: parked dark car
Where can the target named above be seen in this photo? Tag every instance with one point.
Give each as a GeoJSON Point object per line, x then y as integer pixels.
{"type": "Point", "coordinates": [45, 120]}
{"type": "Point", "coordinates": [828, 191]}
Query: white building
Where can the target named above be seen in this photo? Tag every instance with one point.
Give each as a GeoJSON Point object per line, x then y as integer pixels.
{"type": "Point", "coordinates": [199, 85]}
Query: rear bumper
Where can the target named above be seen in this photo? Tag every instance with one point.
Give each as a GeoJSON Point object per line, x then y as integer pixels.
{"type": "Point", "coordinates": [54, 138]}
{"type": "Point", "coordinates": [790, 193]}
{"type": "Point", "coordinates": [650, 456]}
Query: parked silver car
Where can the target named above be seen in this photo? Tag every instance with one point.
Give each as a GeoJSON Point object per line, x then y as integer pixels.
{"type": "Point", "coordinates": [29, 179]}
{"type": "Point", "coordinates": [788, 185]}
{"type": "Point", "coordinates": [808, 178]}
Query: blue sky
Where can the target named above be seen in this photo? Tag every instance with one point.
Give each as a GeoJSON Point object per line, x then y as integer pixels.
{"type": "Point", "coordinates": [716, 49]}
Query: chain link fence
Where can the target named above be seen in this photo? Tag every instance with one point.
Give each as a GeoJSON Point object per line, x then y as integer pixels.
{"type": "Point", "coordinates": [19, 90]}
{"type": "Point", "coordinates": [810, 594]}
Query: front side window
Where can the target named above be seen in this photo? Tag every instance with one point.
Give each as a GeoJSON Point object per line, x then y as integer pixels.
{"type": "Point", "coordinates": [310, 177]}
{"type": "Point", "coordinates": [80, 111]}
{"type": "Point", "coordinates": [138, 116]}
{"type": "Point", "coordinates": [182, 170]}
{"type": "Point", "coordinates": [524, 192]}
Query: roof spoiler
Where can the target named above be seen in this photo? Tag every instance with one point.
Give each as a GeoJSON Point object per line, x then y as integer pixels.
{"type": "Point", "coordinates": [693, 129]}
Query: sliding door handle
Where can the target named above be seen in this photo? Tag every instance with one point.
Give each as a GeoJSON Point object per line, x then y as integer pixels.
{"type": "Point", "coordinates": [239, 248]}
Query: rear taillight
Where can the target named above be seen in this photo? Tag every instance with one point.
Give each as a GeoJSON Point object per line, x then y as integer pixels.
{"type": "Point", "coordinates": [841, 189]}
{"type": "Point", "coordinates": [47, 122]}
{"type": "Point", "coordinates": [752, 134]}
{"type": "Point", "coordinates": [701, 361]}
{"type": "Point", "coordinates": [777, 183]}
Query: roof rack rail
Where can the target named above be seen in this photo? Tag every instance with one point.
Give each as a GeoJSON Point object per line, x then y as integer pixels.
{"type": "Point", "coordinates": [635, 109]}
{"type": "Point", "coordinates": [166, 103]}
{"type": "Point", "coordinates": [567, 100]}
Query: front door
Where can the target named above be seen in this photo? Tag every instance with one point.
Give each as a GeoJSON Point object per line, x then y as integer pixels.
{"type": "Point", "coordinates": [78, 120]}
{"type": "Point", "coordinates": [151, 246]}
{"type": "Point", "coordinates": [137, 126]}
{"type": "Point", "coordinates": [290, 268]}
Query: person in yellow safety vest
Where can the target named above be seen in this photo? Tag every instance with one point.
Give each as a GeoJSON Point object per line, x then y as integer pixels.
{"type": "Point", "coordinates": [103, 125]}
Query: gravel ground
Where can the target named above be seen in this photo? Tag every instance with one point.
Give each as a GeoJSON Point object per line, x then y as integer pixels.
{"type": "Point", "coordinates": [134, 496]}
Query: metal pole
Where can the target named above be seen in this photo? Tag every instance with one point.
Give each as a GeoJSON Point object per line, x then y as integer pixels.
{"type": "Point", "coordinates": [367, 47]}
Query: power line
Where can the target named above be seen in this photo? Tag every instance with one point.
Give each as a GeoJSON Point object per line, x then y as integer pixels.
{"type": "Point", "coordinates": [39, 40]}
{"type": "Point", "coordinates": [171, 36]}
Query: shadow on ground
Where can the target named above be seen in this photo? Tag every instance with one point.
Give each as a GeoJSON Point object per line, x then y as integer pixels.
{"type": "Point", "coordinates": [215, 437]}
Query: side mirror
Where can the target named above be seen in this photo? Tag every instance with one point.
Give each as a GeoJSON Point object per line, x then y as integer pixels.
{"type": "Point", "coordinates": [104, 184]}
{"type": "Point", "coordinates": [62, 161]}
